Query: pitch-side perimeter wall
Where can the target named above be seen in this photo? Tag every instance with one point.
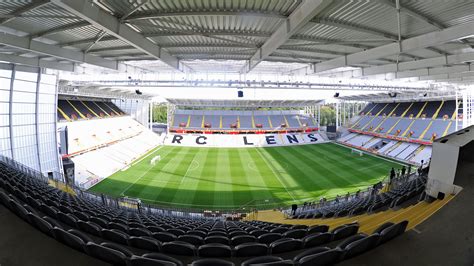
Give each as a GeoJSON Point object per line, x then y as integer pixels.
{"type": "Point", "coordinates": [243, 140]}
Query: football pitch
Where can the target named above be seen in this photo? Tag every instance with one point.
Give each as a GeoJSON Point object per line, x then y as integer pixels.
{"type": "Point", "coordinates": [231, 178]}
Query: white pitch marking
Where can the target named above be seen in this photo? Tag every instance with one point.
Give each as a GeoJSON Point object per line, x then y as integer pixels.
{"type": "Point", "coordinates": [140, 177]}
{"type": "Point", "coordinates": [190, 168]}
{"type": "Point", "coordinates": [264, 159]}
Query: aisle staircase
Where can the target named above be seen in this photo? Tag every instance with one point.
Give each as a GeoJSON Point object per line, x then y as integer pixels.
{"type": "Point", "coordinates": [373, 117]}
{"type": "Point", "coordinates": [414, 119]}
{"type": "Point", "coordinates": [189, 121]}
{"type": "Point", "coordinates": [400, 119]}
{"type": "Point", "coordinates": [386, 117]}
{"type": "Point", "coordinates": [64, 114]}
{"type": "Point", "coordinates": [253, 121]}
{"type": "Point", "coordinates": [393, 147]}
{"type": "Point", "coordinates": [422, 135]}
{"type": "Point", "coordinates": [75, 109]}
{"type": "Point", "coordinates": [416, 152]}
{"type": "Point", "coordinates": [362, 116]}
{"type": "Point", "coordinates": [269, 121]}
{"type": "Point", "coordinates": [88, 108]}
{"type": "Point", "coordinates": [102, 109]}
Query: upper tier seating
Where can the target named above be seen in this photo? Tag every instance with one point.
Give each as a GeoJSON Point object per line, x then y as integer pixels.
{"type": "Point", "coordinates": [125, 237]}
{"type": "Point", "coordinates": [72, 110]}
{"type": "Point", "coordinates": [382, 127]}
{"type": "Point", "coordinates": [418, 120]}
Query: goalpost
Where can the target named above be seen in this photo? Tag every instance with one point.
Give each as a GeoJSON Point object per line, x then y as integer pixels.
{"type": "Point", "coordinates": [155, 159]}
{"type": "Point", "coordinates": [357, 152]}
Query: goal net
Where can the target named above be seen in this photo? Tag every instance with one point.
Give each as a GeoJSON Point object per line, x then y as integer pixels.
{"type": "Point", "coordinates": [155, 159]}
{"type": "Point", "coordinates": [357, 152]}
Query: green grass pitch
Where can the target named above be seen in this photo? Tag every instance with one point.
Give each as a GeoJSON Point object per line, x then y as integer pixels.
{"type": "Point", "coordinates": [231, 178]}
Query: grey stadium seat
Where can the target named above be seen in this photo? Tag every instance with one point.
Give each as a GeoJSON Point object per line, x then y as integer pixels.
{"type": "Point", "coordinates": [144, 242]}
{"type": "Point", "coordinates": [179, 248]}
{"type": "Point", "coordinates": [328, 257]}
{"type": "Point", "coordinates": [115, 236]}
{"type": "Point", "coordinates": [285, 245]}
{"type": "Point", "coordinates": [316, 239]}
{"type": "Point", "coordinates": [107, 254]}
{"type": "Point", "coordinates": [251, 249]}
{"type": "Point", "coordinates": [69, 239]}
{"type": "Point", "coordinates": [142, 261]}
{"type": "Point", "coordinates": [261, 260]}
{"type": "Point", "coordinates": [162, 257]}
{"type": "Point", "coordinates": [214, 250]}
{"type": "Point", "coordinates": [212, 262]}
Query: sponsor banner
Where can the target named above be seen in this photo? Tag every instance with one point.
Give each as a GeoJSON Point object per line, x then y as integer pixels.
{"type": "Point", "coordinates": [251, 140]}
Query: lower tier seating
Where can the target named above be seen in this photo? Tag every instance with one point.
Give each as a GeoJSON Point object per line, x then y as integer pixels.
{"type": "Point", "coordinates": [357, 205]}
{"type": "Point", "coordinates": [125, 237]}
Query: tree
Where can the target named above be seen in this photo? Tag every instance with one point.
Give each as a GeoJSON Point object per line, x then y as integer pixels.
{"type": "Point", "coordinates": [328, 115]}
{"type": "Point", "coordinates": [159, 113]}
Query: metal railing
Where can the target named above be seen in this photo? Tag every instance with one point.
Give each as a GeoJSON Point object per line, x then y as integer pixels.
{"type": "Point", "coordinates": [193, 211]}
{"type": "Point", "coordinates": [372, 190]}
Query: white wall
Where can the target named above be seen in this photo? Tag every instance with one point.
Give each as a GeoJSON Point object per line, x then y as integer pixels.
{"type": "Point", "coordinates": [242, 140]}
{"type": "Point", "coordinates": [444, 161]}
{"type": "Point", "coordinates": [137, 109]}
{"type": "Point", "coordinates": [28, 102]}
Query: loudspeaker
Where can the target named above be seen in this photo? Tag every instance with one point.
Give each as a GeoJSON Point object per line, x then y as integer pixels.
{"type": "Point", "coordinates": [240, 94]}
{"type": "Point", "coordinates": [440, 195]}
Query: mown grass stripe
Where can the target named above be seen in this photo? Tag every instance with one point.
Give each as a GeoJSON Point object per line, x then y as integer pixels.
{"type": "Point", "coordinates": [228, 178]}
{"type": "Point", "coordinates": [261, 180]}
{"type": "Point", "coordinates": [205, 188]}
{"type": "Point", "coordinates": [187, 190]}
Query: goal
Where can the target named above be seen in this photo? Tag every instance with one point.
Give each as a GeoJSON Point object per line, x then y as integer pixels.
{"type": "Point", "coordinates": [357, 152]}
{"type": "Point", "coordinates": [155, 159]}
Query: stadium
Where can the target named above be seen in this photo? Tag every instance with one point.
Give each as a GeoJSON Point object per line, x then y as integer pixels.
{"type": "Point", "coordinates": [236, 132]}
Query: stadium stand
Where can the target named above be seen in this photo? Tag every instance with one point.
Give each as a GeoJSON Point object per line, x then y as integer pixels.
{"type": "Point", "coordinates": [123, 237]}
{"type": "Point", "coordinates": [101, 147]}
{"type": "Point", "coordinates": [403, 131]}
{"type": "Point", "coordinates": [240, 120]}
{"type": "Point", "coordinates": [112, 158]}
{"type": "Point", "coordinates": [401, 190]}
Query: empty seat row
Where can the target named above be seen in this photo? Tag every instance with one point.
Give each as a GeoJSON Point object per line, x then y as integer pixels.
{"type": "Point", "coordinates": [121, 236]}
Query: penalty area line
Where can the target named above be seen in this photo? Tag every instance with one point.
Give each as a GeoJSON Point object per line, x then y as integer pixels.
{"type": "Point", "coordinates": [270, 165]}
{"type": "Point", "coordinates": [190, 168]}
{"type": "Point", "coordinates": [140, 177]}
{"type": "Point", "coordinates": [147, 155]}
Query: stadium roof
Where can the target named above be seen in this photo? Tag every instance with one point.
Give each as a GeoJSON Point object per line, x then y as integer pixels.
{"type": "Point", "coordinates": [243, 103]}
{"type": "Point", "coordinates": [423, 40]}
{"type": "Point", "coordinates": [404, 96]}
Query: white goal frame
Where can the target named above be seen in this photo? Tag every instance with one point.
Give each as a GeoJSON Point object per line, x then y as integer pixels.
{"type": "Point", "coordinates": [357, 151]}
{"type": "Point", "coordinates": [155, 159]}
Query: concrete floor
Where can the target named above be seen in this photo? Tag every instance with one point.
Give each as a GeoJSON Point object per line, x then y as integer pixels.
{"type": "Point", "coordinates": [23, 245]}
{"type": "Point", "coordinates": [446, 238]}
